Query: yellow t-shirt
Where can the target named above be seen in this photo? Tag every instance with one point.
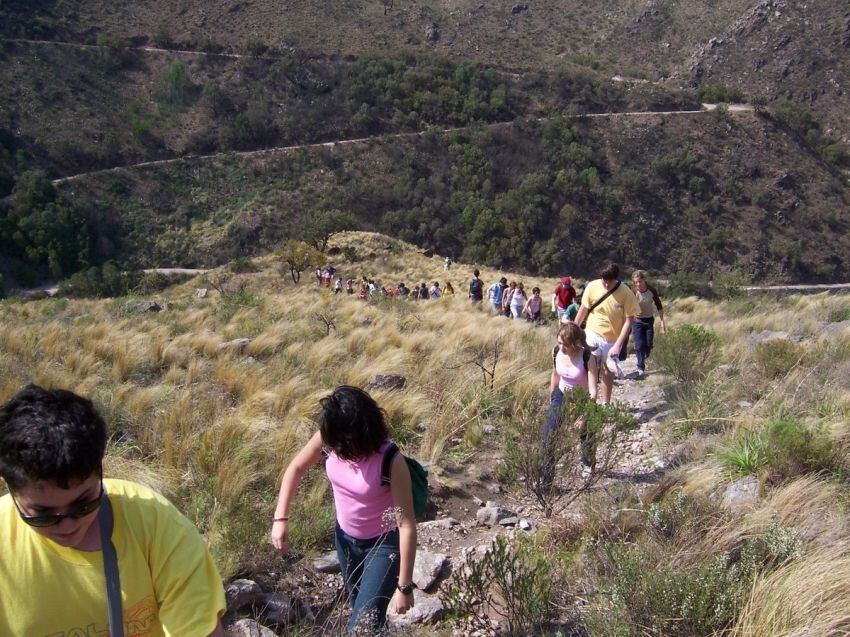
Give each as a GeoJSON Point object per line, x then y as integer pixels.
{"type": "Point", "coordinates": [608, 318]}
{"type": "Point", "coordinates": [169, 584]}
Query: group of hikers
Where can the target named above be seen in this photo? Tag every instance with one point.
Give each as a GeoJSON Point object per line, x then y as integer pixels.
{"type": "Point", "coordinates": [109, 556]}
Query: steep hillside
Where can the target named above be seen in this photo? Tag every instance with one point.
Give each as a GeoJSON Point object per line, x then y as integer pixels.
{"type": "Point", "coordinates": [767, 47]}
{"type": "Point", "coordinates": [72, 109]}
{"type": "Point", "coordinates": [703, 193]}
{"type": "Point", "coordinates": [799, 51]}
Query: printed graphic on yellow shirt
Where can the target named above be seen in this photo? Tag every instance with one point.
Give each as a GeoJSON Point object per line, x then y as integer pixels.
{"type": "Point", "coordinates": [139, 621]}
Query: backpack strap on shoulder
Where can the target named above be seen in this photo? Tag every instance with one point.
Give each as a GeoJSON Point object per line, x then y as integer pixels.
{"type": "Point", "coordinates": [387, 463]}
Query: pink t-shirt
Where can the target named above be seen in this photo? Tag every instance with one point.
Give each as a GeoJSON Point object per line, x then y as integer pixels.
{"type": "Point", "coordinates": [361, 501]}
{"type": "Point", "coordinates": [571, 372]}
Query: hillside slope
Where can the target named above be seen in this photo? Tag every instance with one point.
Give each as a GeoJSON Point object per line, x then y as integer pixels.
{"type": "Point", "coordinates": [769, 47]}
{"type": "Point", "coordinates": [698, 193]}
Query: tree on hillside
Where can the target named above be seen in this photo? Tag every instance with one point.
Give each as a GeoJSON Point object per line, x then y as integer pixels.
{"type": "Point", "coordinates": [299, 256]}
{"type": "Point", "coordinates": [44, 230]}
{"type": "Point", "coordinates": [321, 226]}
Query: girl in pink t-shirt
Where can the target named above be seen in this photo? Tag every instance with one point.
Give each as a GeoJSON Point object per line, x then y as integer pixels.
{"type": "Point", "coordinates": [569, 374]}
{"type": "Point", "coordinates": [375, 534]}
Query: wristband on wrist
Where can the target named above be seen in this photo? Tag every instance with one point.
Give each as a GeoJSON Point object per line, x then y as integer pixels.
{"type": "Point", "coordinates": [284, 518]}
{"type": "Point", "coordinates": [407, 589]}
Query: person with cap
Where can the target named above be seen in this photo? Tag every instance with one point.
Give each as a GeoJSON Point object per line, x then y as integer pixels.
{"type": "Point", "coordinates": [562, 297]}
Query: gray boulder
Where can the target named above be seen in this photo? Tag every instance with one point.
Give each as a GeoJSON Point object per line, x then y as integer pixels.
{"type": "Point", "coordinates": [432, 32]}
{"type": "Point", "coordinates": [237, 345]}
{"type": "Point", "coordinates": [147, 306]}
{"type": "Point", "coordinates": [742, 493]}
{"type": "Point", "coordinates": [201, 293]}
{"type": "Point", "coordinates": [327, 563]}
{"type": "Point", "coordinates": [241, 593]}
{"type": "Point", "coordinates": [426, 610]}
{"type": "Point", "coordinates": [247, 628]}
{"type": "Point", "coordinates": [386, 382]}
{"type": "Point", "coordinates": [427, 568]}
{"type": "Point", "coordinates": [492, 513]}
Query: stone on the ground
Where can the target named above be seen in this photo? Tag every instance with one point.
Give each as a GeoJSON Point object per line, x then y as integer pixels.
{"type": "Point", "coordinates": [327, 563]}
{"type": "Point", "coordinates": [247, 628]}
{"type": "Point", "coordinates": [201, 293]}
{"type": "Point", "coordinates": [432, 32]}
{"type": "Point", "coordinates": [282, 609]}
{"type": "Point", "coordinates": [742, 493]}
{"type": "Point", "coordinates": [769, 335]}
{"type": "Point", "coordinates": [147, 306]}
{"type": "Point", "coordinates": [443, 523]}
{"type": "Point", "coordinates": [511, 521]}
{"type": "Point", "coordinates": [386, 382]}
{"type": "Point", "coordinates": [524, 524]}
{"type": "Point", "coordinates": [237, 344]}
{"type": "Point", "coordinates": [519, 8]}
{"type": "Point", "coordinates": [365, 322]}
{"type": "Point", "coordinates": [492, 513]}
{"type": "Point", "coordinates": [426, 610]}
{"type": "Point", "coordinates": [241, 593]}
{"type": "Point", "coordinates": [427, 568]}
{"type": "Point", "coordinates": [829, 329]}
{"type": "Point", "coordinates": [489, 430]}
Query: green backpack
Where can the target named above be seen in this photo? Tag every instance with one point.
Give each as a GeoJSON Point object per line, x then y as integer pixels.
{"type": "Point", "coordinates": [418, 478]}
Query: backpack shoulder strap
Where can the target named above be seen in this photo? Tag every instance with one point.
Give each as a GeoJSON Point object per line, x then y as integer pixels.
{"type": "Point", "coordinates": [110, 568]}
{"type": "Point", "coordinates": [603, 297]}
{"type": "Point", "coordinates": [387, 463]}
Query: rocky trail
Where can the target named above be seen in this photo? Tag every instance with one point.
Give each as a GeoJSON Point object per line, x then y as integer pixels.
{"type": "Point", "coordinates": [472, 509]}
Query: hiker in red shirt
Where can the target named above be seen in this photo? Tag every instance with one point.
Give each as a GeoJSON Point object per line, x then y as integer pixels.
{"type": "Point", "coordinates": [563, 297]}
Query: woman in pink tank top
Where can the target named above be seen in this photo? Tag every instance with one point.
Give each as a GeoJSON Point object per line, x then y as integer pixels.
{"type": "Point", "coordinates": [375, 535]}
{"type": "Point", "coordinates": [569, 374]}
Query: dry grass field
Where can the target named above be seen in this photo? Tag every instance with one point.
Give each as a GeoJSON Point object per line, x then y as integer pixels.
{"type": "Point", "coordinates": [212, 427]}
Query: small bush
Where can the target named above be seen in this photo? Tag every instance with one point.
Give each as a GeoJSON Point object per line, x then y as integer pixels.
{"type": "Point", "coordinates": [242, 265]}
{"type": "Point", "coordinates": [652, 598]}
{"type": "Point", "coordinates": [688, 284]}
{"type": "Point", "coordinates": [776, 357]}
{"type": "Point", "coordinates": [838, 315]}
{"type": "Point", "coordinates": [799, 448]}
{"type": "Point", "coordinates": [511, 582]}
{"type": "Point", "coordinates": [746, 455]}
{"type": "Point", "coordinates": [728, 285]}
{"type": "Point", "coordinates": [688, 352]}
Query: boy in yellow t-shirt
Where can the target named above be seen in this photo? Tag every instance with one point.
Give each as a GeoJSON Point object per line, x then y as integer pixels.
{"type": "Point", "coordinates": [608, 325]}
{"type": "Point", "coordinates": [52, 580]}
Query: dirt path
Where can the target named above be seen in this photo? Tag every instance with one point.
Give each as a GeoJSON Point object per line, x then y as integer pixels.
{"type": "Point", "coordinates": [707, 108]}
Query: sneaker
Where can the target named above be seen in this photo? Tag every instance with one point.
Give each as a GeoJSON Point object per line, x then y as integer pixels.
{"type": "Point", "coordinates": [641, 374]}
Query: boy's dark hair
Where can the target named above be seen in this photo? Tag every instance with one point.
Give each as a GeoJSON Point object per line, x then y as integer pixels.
{"type": "Point", "coordinates": [609, 270]}
{"type": "Point", "coordinates": [351, 423]}
{"type": "Point", "coordinates": [503, 281]}
{"type": "Point", "coordinates": [475, 273]}
{"type": "Point", "coordinates": [50, 435]}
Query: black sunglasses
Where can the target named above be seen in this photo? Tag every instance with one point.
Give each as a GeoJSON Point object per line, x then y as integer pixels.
{"type": "Point", "coordinates": [52, 519]}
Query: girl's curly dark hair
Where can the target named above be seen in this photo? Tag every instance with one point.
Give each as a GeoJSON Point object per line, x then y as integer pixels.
{"type": "Point", "coordinates": [351, 423]}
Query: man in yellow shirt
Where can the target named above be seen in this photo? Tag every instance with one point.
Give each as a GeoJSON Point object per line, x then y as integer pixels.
{"type": "Point", "coordinates": [52, 578]}
{"type": "Point", "coordinates": [610, 308]}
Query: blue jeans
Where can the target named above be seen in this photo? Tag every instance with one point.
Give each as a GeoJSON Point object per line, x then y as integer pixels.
{"type": "Point", "coordinates": [370, 572]}
{"type": "Point", "coordinates": [553, 421]}
{"type": "Point", "coordinates": [643, 332]}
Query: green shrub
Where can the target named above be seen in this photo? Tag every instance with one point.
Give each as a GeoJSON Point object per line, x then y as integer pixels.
{"type": "Point", "coordinates": [688, 352]}
{"type": "Point", "coordinates": [776, 357]}
{"type": "Point", "coordinates": [838, 315]}
{"type": "Point", "coordinates": [746, 455]}
{"type": "Point", "coordinates": [688, 284]}
{"type": "Point", "coordinates": [242, 265]}
{"type": "Point", "coordinates": [511, 582]}
{"type": "Point", "coordinates": [730, 284]}
{"type": "Point", "coordinates": [652, 598]}
{"type": "Point", "coordinates": [799, 448]}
